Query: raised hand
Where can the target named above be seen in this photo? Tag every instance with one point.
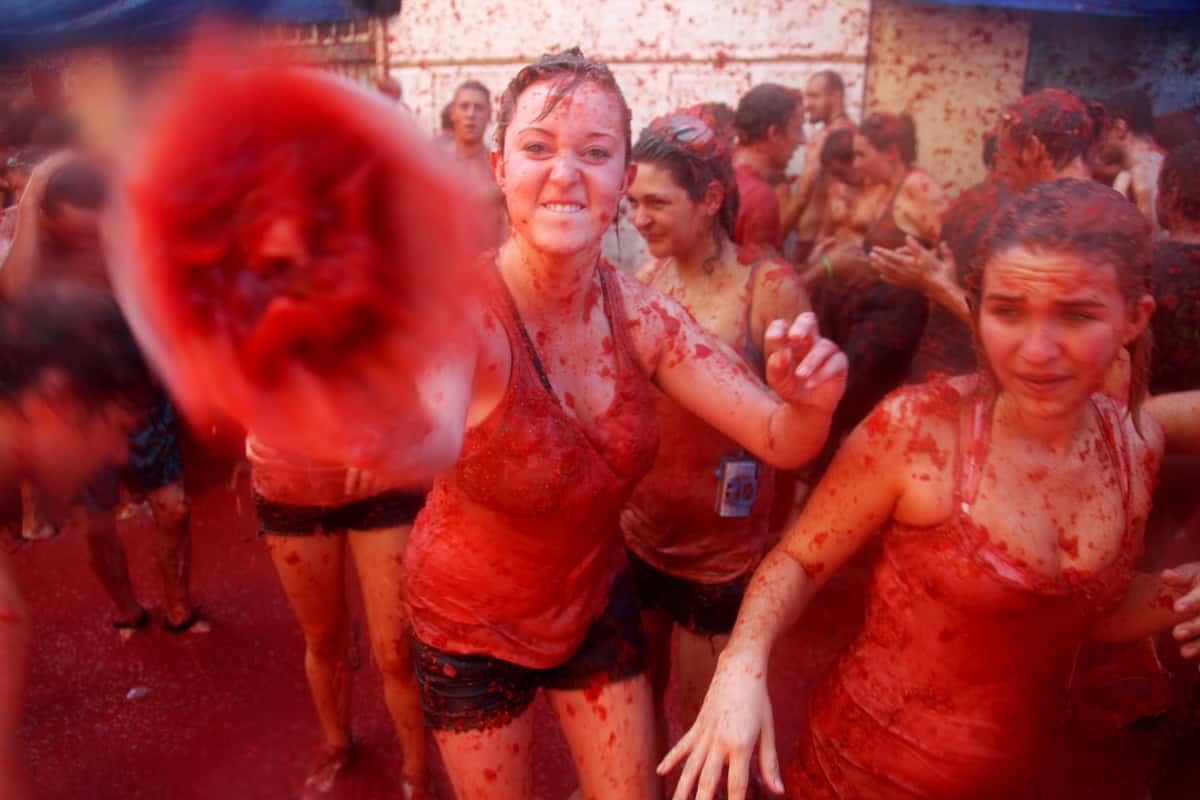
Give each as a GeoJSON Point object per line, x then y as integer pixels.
{"type": "Point", "coordinates": [804, 368]}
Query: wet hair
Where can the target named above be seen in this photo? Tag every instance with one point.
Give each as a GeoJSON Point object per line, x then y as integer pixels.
{"type": "Point", "coordinates": [76, 183]}
{"type": "Point", "coordinates": [566, 71]}
{"type": "Point", "coordinates": [695, 155]}
{"type": "Point", "coordinates": [833, 81]}
{"type": "Point", "coordinates": [79, 332]}
{"type": "Point", "coordinates": [838, 147]}
{"type": "Point", "coordinates": [447, 122]}
{"type": "Point", "coordinates": [54, 132]}
{"type": "Point", "coordinates": [718, 116]}
{"type": "Point", "coordinates": [1065, 124]}
{"type": "Point", "coordinates": [1086, 218]}
{"type": "Point", "coordinates": [1135, 107]}
{"type": "Point", "coordinates": [1177, 127]}
{"type": "Point", "coordinates": [883, 130]}
{"type": "Point", "coordinates": [764, 106]}
{"type": "Point", "coordinates": [474, 86]}
{"type": "Point", "coordinates": [988, 153]}
{"type": "Point", "coordinates": [1179, 180]}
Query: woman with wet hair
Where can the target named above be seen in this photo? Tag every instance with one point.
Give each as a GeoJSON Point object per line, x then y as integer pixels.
{"type": "Point", "coordinates": [1013, 503]}
{"type": "Point", "coordinates": [517, 575]}
{"type": "Point", "coordinates": [696, 525]}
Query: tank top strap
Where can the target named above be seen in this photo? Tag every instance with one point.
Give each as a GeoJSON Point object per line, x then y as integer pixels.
{"type": "Point", "coordinates": [974, 438]}
{"type": "Point", "coordinates": [1111, 415]}
{"type": "Point", "coordinates": [614, 309]}
{"type": "Point", "coordinates": [750, 348]}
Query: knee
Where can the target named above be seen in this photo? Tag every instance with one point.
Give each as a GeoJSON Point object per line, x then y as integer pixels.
{"type": "Point", "coordinates": [327, 644]}
{"type": "Point", "coordinates": [393, 659]}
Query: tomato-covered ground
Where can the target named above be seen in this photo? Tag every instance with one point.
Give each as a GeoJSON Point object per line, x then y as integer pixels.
{"type": "Point", "coordinates": [227, 714]}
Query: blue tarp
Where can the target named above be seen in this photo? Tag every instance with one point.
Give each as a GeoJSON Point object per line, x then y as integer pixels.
{"type": "Point", "coordinates": [1122, 8]}
{"type": "Point", "coordinates": [31, 26]}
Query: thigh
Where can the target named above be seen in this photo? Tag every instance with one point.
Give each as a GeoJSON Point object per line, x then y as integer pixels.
{"type": "Point", "coordinates": [494, 763]}
{"type": "Point", "coordinates": [312, 571]}
{"type": "Point", "coordinates": [379, 560]}
{"type": "Point", "coordinates": [609, 728]}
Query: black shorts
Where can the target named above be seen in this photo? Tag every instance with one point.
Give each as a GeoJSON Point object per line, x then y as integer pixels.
{"type": "Point", "coordinates": [153, 463]}
{"type": "Point", "coordinates": [705, 609]}
{"type": "Point", "coordinates": [475, 692]}
{"type": "Point", "coordinates": [385, 510]}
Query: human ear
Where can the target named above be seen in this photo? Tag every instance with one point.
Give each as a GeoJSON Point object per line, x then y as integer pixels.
{"type": "Point", "coordinates": [1139, 317]}
{"type": "Point", "coordinates": [497, 161]}
{"type": "Point", "coordinates": [630, 174]}
{"type": "Point", "coordinates": [713, 197]}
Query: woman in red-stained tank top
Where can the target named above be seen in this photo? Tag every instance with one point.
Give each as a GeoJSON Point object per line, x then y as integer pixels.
{"type": "Point", "coordinates": [517, 577]}
{"type": "Point", "coordinates": [696, 526]}
{"type": "Point", "coordinates": [1012, 504]}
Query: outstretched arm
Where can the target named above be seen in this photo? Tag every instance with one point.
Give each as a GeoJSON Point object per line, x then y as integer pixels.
{"type": "Point", "coordinates": [737, 712]}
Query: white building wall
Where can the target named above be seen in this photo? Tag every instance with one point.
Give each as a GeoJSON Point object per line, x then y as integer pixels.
{"type": "Point", "coordinates": [664, 53]}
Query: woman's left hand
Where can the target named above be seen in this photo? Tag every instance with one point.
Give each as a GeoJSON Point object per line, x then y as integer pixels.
{"type": "Point", "coordinates": [804, 368]}
{"type": "Point", "coordinates": [1186, 579]}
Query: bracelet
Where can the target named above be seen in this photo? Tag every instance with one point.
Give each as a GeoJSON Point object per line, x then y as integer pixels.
{"type": "Point", "coordinates": [828, 267]}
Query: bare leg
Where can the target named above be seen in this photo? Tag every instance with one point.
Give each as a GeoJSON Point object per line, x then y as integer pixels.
{"type": "Point", "coordinates": [611, 736]}
{"type": "Point", "coordinates": [379, 558]}
{"type": "Point", "coordinates": [312, 571]}
{"type": "Point", "coordinates": [492, 764]}
{"type": "Point", "coordinates": [697, 663]}
{"type": "Point", "coordinates": [14, 650]}
{"type": "Point", "coordinates": [108, 560]}
{"type": "Point", "coordinates": [658, 626]}
{"type": "Point", "coordinates": [173, 550]}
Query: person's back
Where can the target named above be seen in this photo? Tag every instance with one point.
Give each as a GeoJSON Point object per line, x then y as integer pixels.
{"type": "Point", "coordinates": [1131, 132]}
{"type": "Point", "coordinates": [1175, 365]}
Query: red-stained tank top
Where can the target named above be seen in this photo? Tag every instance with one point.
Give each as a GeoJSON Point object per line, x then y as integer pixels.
{"type": "Point", "coordinates": [953, 688]}
{"type": "Point", "coordinates": [671, 521]}
{"type": "Point", "coordinates": [515, 551]}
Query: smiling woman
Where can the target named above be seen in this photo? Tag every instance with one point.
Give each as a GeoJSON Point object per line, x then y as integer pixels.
{"type": "Point", "coordinates": [517, 575]}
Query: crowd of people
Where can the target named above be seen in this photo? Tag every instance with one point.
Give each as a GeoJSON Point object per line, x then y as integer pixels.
{"type": "Point", "coordinates": [653, 472]}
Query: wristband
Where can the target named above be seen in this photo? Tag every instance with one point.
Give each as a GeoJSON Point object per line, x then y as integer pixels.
{"type": "Point", "coordinates": [828, 267]}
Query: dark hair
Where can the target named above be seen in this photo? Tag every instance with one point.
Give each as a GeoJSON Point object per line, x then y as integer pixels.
{"type": "Point", "coordinates": [718, 116]}
{"type": "Point", "coordinates": [1135, 107]}
{"type": "Point", "coordinates": [54, 132]}
{"type": "Point", "coordinates": [447, 122]}
{"type": "Point", "coordinates": [80, 332]}
{"type": "Point", "coordinates": [1089, 219]}
{"type": "Point", "coordinates": [1180, 177]}
{"type": "Point", "coordinates": [988, 153]}
{"type": "Point", "coordinates": [1177, 127]}
{"type": "Point", "coordinates": [833, 81]}
{"type": "Point", "coordinates": [764, 106]}
{"type": "Point", "coordinates": [883, 130]}
{"type": "Point", "coordinates": [475, 86]}
{"type": "Point", "coordinates": [695, 156]}
{"type": "Point", "coordinates": [838, 147]}
{"type": "Point", "coordinates": [78, 184]}
{"type": "Point", "coordinates": [1066, 125]}
{"type": "Point", "coordinates": [567, 70]}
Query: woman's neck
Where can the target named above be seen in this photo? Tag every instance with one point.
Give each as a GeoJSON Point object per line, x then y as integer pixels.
{"type": "Point", "coordinates": [707, 254]}
{"type": "Point", "coordinates": [899, 172]}
{"type": "Point", "coordinates": [549, 285]}
{"type": "Point", "coordinates": [1056, 435]}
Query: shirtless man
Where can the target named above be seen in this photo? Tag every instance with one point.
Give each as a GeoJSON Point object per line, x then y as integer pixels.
{"type": "Point", "coordinates": [470, 114]}
{"type": "Point", "coordinates": [57, 243]}
{"type": "Point", "coordinates": [804, 207]}
{"type": "Point", "coordinates": [1131, 136]}
{"type": "Point", "coordinates": [769, 126]}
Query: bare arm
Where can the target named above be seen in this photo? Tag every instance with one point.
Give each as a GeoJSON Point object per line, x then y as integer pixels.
{"type": "Point", "coordinates": [834, 524]}
{"type": "Point", "coordinates": [20, 262]}
{"type": "Point", "coordinates": [1179, 415]}
{"type": "Point", "coordinates": [784, 425]}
